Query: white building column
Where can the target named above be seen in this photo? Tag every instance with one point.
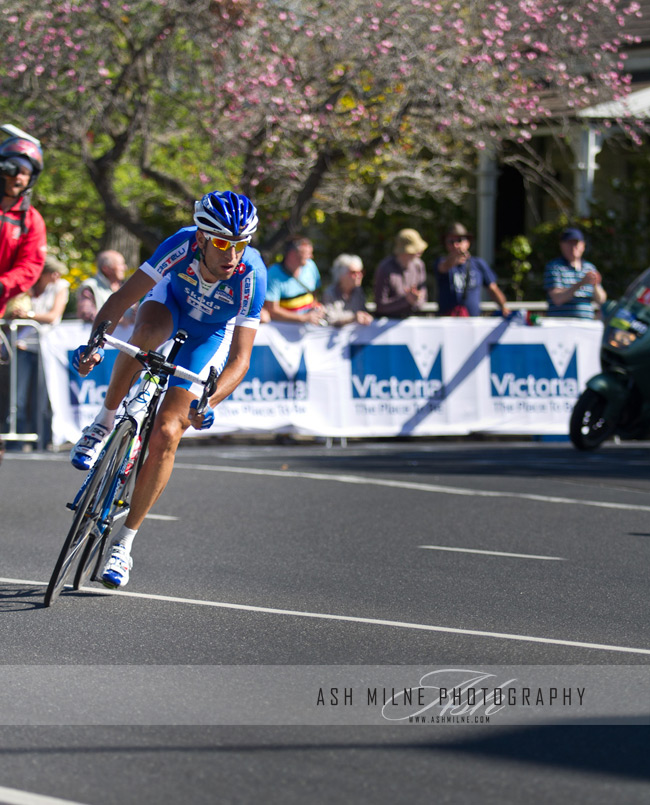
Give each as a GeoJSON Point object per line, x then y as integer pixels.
{"type": "Point", "coordinates": [486, 199]}
{"type": "Point", "coordinates": [587, 144]}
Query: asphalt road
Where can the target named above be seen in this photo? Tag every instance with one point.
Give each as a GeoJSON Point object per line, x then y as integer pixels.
{"type": "Point", "coordinates": [275, 586]}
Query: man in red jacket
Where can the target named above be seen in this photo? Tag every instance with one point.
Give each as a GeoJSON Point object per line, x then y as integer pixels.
{"type": "Point", "coordinates": [22, 229]}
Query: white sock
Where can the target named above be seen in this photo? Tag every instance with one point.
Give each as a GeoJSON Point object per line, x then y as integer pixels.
{"type": "Point", "coordinates": [125, 537]}
{"type": "Point", "coordinates": [106, 417]}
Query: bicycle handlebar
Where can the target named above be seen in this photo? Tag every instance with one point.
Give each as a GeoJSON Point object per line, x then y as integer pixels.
{"type": "Point", "coordinates": [100, 337]}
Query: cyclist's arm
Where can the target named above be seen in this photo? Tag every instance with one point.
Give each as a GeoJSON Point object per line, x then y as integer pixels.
{"type": "Point", "coordinates": [119, 302]}
{"type": "Point", "coordinates": [237, 365]}
{"type": "Point", "coordinates": [233, 372]}
{"type": "Point", "coordinates": [114, 308]}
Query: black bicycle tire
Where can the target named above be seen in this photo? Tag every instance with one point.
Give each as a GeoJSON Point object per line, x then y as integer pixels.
{"type": "Point", "coordinates": [73, 547]}
{"type": "Point", "coordinates": [92, 556]}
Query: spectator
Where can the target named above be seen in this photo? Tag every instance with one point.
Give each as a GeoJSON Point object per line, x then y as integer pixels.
{"type": "Point", "coordinates": [460, 277]}
{"type": "Point", "coordinates": [22, 229]}
{"type": "Point", "coordinates": [572, 284]}
{"type": "Point", "coordinates": [400, 279]}
{"type": "Point", "coordinates": [93, 292]}
{"type": "Point", "coordinates": [292, 284]}
{"type": "Point", "coordinates": [344, 300]}
{"type": "Point", "coordinates": [47, 301]}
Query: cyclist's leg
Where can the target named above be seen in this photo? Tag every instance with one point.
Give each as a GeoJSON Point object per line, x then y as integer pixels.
{"type": "Point", "coordinates": [202, 347]}
{"type": "Point", "coordinates": [170, 424]}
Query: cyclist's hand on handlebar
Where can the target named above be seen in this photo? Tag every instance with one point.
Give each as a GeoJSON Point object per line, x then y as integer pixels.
{"type": "Point", "coordinates": [85, 366]}
{"type": "Point", "coordinates": [200, 421]}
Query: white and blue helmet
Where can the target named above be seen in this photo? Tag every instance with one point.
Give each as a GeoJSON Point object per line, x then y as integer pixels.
{"type": "Point", "coordinates": [227, 215]}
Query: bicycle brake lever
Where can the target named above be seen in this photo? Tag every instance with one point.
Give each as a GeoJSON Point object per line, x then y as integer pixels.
{"type": "Point", "coordinates": [96, 339]}
{"type": "Point", "coordinates": [209, 388]}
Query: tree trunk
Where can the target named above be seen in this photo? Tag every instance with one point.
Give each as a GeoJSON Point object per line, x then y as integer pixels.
{"type": "Point", "coordinates": [119, 238]}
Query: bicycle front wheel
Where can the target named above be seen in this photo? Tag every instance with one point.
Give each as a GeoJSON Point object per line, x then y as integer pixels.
{"type": "Point", "coordinates": [87, 527]}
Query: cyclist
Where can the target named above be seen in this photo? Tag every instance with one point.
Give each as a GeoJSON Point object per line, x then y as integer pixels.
{"type": "Point", "coordinates": [209, 281]}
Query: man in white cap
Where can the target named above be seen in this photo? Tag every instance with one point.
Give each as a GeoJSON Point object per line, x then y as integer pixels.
{"type": "Point", "coordinates": [400, 279]}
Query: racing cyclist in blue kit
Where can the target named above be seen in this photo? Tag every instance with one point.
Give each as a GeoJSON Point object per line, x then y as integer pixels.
{"type": "Point", "coordinates": [207, 280]}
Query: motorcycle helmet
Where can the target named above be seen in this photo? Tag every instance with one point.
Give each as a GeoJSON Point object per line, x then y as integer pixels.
{"type": "Point", "coordinates": [227, 215]}
{"type": "Point", "coordinates": [17, 148]}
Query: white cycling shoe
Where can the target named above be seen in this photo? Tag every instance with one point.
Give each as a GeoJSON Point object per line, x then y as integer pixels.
{"type": "Point", "coordinates": [85, 453]}
{"type": "Point", "coordinates": [116, 570]}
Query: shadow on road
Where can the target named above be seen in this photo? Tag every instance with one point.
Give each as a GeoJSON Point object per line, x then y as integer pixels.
{"type": "Point", "coordinates": [614, 751]}
{"type": "Point", "coordinates": [14, 598]}
{"type": "Point", "coordinates": [530, 460]}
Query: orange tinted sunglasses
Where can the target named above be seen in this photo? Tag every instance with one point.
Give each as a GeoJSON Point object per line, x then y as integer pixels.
{"type": "Point", "coordinates": [223, 245]}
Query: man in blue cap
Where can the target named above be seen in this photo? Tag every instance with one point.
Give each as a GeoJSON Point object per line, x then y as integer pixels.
{"type": "Point", "coordinates": [572, 284]}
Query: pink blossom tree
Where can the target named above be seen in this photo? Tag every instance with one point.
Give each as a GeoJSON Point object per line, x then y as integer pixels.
{"type": "Point", "coordinates": [309, 105]}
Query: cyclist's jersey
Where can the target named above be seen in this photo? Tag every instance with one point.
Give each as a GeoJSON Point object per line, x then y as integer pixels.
{"type": "Point", "coordinates": [176, 261]}
{"type": "Point", "coordinates": [208, 312]}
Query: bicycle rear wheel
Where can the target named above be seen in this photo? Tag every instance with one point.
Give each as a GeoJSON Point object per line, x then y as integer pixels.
{"type": "Point", "coordinates": [86, 529]}
{"type": "Point", "coordinates": [110, 505]}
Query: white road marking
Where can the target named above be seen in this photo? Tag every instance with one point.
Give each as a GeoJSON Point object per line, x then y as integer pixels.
{"type": "Point", "coordinates": [493, 553]}
{"type": "Point", "coordinates": [161, 517]}
{"type": "Point", "coordinates": [12, 796]}
{"type": "Point", "coordinates": [424, 627]}
{"type": "Point", "coordinates": [442, 490]}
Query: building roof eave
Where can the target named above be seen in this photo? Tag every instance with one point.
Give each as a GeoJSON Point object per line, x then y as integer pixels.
{"type": "Point", "coordinates": [636, 105]}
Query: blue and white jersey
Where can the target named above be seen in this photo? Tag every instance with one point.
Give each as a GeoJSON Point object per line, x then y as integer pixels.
{"type": "Point", "coordinates": [209, 312]}
{"type": "Point", "coordinates": [237, 301]}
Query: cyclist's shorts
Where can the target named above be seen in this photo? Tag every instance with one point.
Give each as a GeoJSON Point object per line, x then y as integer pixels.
{"type": "Point", "coordinates": [205, 345]}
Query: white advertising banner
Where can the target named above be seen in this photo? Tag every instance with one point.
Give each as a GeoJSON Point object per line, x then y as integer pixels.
{"type": "Point", "coordinates": [417, 377]}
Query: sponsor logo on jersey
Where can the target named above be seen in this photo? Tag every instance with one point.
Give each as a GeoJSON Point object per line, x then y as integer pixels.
{"type": "Point", "coordinates": [267, 380]}
{"type": "Point", "coordinates": [223, 295]}
{"type": "Point", "coordinates": [390, 372]}
{"type": "Point", "coordinates": [246, 290]}
{"type": "Point", "coordinates": [187, 278]}
{"type": "Point", "coordinates": [172, 259]}
{"type": "Point", "coordinates": [201, 303]}
{"type": "Point", "coordinates": [528, 371]}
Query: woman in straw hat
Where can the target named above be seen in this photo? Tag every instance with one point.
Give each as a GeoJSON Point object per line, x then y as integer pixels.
{"type": "Point", "coordinates": [400, 280]}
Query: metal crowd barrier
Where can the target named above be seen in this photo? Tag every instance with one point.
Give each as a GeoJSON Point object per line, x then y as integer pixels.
{"type": "Point", "coordinates": [486, 307]}
{"type": "Point", "coordinates": [9, 339]}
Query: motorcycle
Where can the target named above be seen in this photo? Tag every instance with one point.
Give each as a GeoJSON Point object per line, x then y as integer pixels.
{"type": "Point", "coordinates": [616, 402]}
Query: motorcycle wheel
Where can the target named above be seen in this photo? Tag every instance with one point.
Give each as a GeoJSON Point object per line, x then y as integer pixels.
{"type": "Point", "coordinates": [588, 428]}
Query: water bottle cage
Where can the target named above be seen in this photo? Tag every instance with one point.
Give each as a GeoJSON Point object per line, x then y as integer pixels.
{"type": "Point", "coordinates": [138, 405]}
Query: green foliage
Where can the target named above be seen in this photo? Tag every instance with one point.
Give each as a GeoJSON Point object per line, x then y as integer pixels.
{"type": "Point", "coordinates": [518, 250]}
{"type": "Point", "coordinates": [73, 212]}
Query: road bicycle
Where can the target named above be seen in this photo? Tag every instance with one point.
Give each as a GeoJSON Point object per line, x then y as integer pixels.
{"type": "Point", "coordinates": [105, 495]}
